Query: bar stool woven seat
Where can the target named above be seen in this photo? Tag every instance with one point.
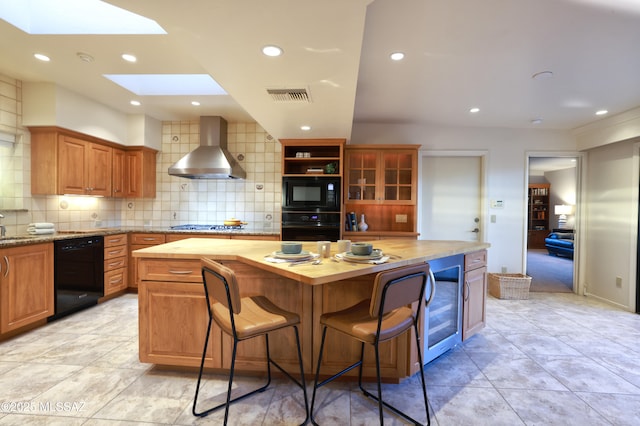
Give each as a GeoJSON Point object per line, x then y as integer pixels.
{"type": "Point", "coordinates": [243, 318]}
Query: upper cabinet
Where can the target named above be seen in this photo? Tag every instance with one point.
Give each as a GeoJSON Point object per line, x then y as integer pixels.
{"type": "Point", "coordinates": [304, 157]}
{"type": "Point", "coordinates": [67, 162]}
{"type": "Point", "coordinates": [381, 183]}
{"type": "Point", "coordinates": [84, 168]}
{"type": "Point", "coordinates": [140, 172]}
{"type": "Point", "coordinates": [381, 175]}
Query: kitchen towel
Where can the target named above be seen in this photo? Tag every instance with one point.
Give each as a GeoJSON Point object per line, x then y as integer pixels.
{"type": "Point", "coordinates": [42, 225]}
{"type": "Point", "coordinates": [40, 231]}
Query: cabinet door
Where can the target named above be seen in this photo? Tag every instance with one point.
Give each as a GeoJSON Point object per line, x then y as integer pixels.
{"type": "Point", "coordinates": [475, 295]}
{"type": "Point", "coordinates": [26, 285]}
{"type": "Point", "coordinates": [98, 167]}
{"type": "Point", "coordinates": [362, 176]}
{"type": "Point", "coordinates": [118, 173]}
{"type": "Point", "coordinates": [173, 325]}
{"type": "Point", "coordinates": [72, 168]}
{"type": "Point", "coordinates": [399, 169]}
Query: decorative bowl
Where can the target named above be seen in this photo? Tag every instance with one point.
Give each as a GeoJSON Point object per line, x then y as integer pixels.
{"type": "Point", "coordinates": [361, 249]}
{"type": "Point", "coordinates": [291, 247]}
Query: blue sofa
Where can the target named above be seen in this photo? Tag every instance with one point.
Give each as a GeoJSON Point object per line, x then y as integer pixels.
{"type": "Point", "coordinates": [560, 244]}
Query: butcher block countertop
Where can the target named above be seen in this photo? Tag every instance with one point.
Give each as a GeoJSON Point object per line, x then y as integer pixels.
{"type": "Point", "coordinates": [401, 251]}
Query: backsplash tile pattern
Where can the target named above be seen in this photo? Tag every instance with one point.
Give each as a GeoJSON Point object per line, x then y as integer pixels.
{"type": "Point", "coordinates": [179, 200]}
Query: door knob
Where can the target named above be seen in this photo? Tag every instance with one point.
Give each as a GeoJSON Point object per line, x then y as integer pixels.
{"type": "Point", "coordinates": [475, 230]}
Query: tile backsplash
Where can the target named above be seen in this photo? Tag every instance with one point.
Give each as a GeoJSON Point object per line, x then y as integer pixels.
{"type": "Point", "coordinates": [255, 200]}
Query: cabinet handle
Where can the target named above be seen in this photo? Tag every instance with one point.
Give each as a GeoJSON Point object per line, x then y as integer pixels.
{"type": "Point", "coordinates": [181, 272]}
{"type": "Point", "coordinates": [115, 263]}
{"type": "Point", "coordinates": [115, 251]}
{"type": "Point", "coordinates": [115, 281]}
{"type": "Point", "coordinates": [6, 261]}
{"type": "Point", "coordinates": [468, 290]}
{"type": "Point", "coordinates": [149, 239]}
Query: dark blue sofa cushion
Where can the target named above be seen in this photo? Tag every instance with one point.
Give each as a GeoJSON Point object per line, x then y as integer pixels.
{"type": "Point", "coordinates": [560, 243]}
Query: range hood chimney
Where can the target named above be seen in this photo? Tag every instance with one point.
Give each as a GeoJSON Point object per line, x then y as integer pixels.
{"type": "Point", "coordinates": [211, 160]}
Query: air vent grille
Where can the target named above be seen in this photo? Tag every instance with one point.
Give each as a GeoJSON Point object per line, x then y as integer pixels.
{"type": "Point", "coordinates": [289, 95]}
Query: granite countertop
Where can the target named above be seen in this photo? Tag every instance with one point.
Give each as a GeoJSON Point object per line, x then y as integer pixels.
{"type": "Point", "coordinates": [26, 239]}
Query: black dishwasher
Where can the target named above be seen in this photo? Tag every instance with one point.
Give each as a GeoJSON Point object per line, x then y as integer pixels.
{"type": "Point", "coordinates": [78, 274]}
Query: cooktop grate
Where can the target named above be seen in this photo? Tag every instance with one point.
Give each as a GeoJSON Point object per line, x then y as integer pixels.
{"type": "Point", "coordinates": [193, 227]}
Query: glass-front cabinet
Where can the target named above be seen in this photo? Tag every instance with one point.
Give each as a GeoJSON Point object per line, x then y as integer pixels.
{"type": "Point", "coordinates": [381, 184]}
{"type": "Point", "coordinates": [380, 175]}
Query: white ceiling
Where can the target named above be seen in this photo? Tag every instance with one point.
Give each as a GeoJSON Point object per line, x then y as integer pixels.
{"type": "Point", "coordinates": [459, 54]}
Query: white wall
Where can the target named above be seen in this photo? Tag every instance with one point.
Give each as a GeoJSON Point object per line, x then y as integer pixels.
{"type": "Point", "coordinates": [506, 172]}
{"type": "Point", "coordinates": [563, 191]}
{"type": "Point", "coordinates": [611, 216]}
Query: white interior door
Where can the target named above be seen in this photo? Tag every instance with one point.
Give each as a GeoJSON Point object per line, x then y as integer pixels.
{"type": "Point", "coordinates": [451, 198]}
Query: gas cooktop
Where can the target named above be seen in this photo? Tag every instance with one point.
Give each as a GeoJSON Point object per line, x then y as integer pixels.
{"type": "Point", "coordinates": [190, 227]}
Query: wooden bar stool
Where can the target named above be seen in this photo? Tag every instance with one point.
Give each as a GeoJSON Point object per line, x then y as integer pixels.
{"type": "Point", "coordinates": [385, 316]}
{"type": "Point", "coordinates": [243, 318]}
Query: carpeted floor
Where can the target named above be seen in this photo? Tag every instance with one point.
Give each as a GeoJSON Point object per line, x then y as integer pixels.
{"type": "Point", "coordinates": [550, 274]}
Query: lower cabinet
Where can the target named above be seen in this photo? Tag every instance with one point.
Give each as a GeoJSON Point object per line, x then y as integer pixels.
{"type": "Point", "coordinates": [26, 285]}
{"type": "Point", "coordinates": [137, 242]}
{"type": "Point", "coordinates": [173, 317]}
{"type": "Point", "coordinates": [474, 293]}
{"type": "Point", "coordinates": [115, 263]}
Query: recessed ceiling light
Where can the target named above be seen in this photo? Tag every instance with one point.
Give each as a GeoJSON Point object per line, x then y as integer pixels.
{"type": "Point", "coordinates": [542, 75]}
{"type": "Point", "coordinates": [602, 112]}
{"type": "Point", "coordinates": [536, 121]}
{"type": "Point", "coordinates": [41, 57]}
{"type": "Point", "coordinates": [128, 57]}
{"type": "Point", "coordinates": [195, 103]}
{"type": "Point", "coordinates": [305, 128]}
{"type": "Point", "coordinates": [135, 103]}
{"type": "Point", "coordinates": [272, 50]}
{"type": "Point", "coordinates": [397, 56]}
{"type": "Point", "coordinates": [474, 110]}
{"type": "Point", "coordinates": [85, 57]}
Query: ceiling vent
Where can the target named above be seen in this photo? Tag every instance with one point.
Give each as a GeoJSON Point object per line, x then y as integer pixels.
{"type": "Point", "coordinates": [289, 95]}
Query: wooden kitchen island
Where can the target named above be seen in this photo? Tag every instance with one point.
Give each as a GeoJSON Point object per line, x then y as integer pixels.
{"type": "Point", "coordinates": [173, 315]}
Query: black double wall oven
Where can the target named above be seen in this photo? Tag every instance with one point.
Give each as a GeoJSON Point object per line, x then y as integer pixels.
{"type": "Point", "coordinates": [311, 208]}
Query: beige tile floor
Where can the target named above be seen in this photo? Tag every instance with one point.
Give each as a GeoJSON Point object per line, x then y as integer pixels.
{"type": "Point", "coordinates": [555, 359]}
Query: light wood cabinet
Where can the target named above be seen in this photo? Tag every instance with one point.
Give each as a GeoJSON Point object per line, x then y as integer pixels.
{"type": "Point", "coordinates": [26, 285]}
{"type": "Point", "coordinates": [474, 293]}
{"type": "Point", "coordinates": [68, 162]}
{"type": "Point", "coordinates": [312, 157]}
{"type": "Point", "coordinates": [84, 167]}
{"type": "Point", "coordinates": [115, 263]}
{"type": "Point", "coordinates": [174, 318]}
{"type": "Point", "coordinates": [139, 241]}
{"type": "Point", "coordinates": [140, 173]}
{"type": "Point", "coordinates": [118, 173]}
{"type": "Point", "coordinates": [381, 183]}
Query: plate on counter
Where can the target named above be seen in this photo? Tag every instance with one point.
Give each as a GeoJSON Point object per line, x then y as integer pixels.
{"type": "Point", "coordinates": [375, 255]}
{"type": "Point", "coordinates": [298, 256]}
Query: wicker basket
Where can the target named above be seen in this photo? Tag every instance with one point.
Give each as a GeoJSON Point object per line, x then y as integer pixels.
{"type": "Point", "coordinates": [509, 286]}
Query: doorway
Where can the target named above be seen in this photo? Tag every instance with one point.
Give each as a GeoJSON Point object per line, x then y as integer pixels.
{"type": "Point", "coordinates": [454, 183]}
{"type": "Point", "coordinates": [552, 193]}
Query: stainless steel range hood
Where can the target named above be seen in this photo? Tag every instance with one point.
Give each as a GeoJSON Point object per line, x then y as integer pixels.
{"type": "Point", "coordinates": [211, 160]}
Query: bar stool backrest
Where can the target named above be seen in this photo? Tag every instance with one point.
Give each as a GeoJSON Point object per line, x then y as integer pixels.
{"type": "Point", "coordinates": [406, 285]}
{"type": "Point", "coordinates": [221, 284]}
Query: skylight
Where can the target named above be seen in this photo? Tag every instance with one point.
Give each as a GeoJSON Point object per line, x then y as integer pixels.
{"type": "Point", "coordinates": [74, 17]}
{"type": "Point", "coordinates": [167, 84]}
